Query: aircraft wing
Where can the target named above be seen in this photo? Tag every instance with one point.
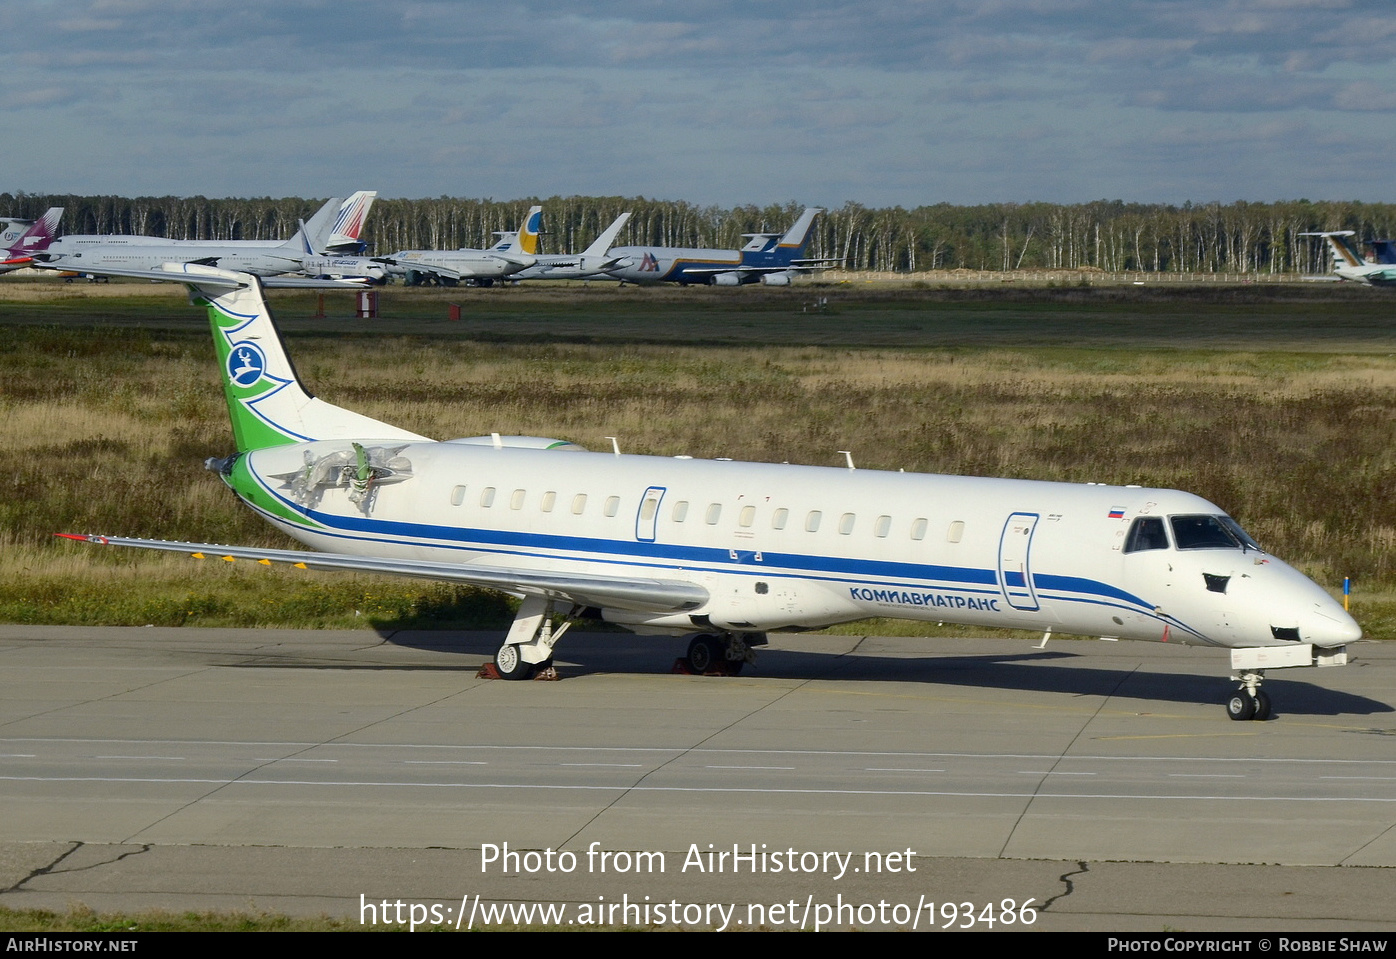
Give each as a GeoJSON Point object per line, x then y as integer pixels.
{"type": "Point", "coordinates": [446, 273]}
{"type": "Point", "coordinates": [645, 595]}
{"type": "Point", "coordinates": [745, 268]}
{"type": "Point", "coordinates": [175, 273]}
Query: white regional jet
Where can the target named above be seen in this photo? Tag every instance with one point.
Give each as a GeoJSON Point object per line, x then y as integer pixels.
{"type": "Point", "coordinates": [513, 254]}
{"type": "Point", "coordinates": [726, 551]}
{"type": "Point", "coordinates": [1348, 264]}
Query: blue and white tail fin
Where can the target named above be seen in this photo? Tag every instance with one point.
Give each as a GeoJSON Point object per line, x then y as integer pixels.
{"type": "Point", "coordinates": [267, 403]}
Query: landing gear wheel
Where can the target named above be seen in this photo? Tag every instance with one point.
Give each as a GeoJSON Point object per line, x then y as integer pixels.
{"type": "Point", "coordinates": [703, 652]}
{"type": "Point", "coordinates": [1241, 705]}
{"type": "Point", "coordinates": [734, 667]}
{"type": "Point", "coordinates": [1262, 707]}
{"type": "Point", "coordinates": [510, 663]}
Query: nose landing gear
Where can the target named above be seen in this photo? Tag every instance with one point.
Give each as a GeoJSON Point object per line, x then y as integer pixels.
{"type": "Point", "coordinates": [1249, 702]}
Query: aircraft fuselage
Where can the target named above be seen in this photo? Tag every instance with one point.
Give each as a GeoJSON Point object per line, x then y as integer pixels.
{"type": "Point", "coordinates": [792, 547]}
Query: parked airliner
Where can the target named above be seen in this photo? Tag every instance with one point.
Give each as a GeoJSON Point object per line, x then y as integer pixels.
{"type": "Point", "coordinates": [725, 551]}
{"type": "Point", "coordinates": [770, 258]}
{"type": "Point", "coordinates": [512, 254]}
{"type": "Point", "coordinates": [35, 237]}
{"type": "Point", "coordinates": [122, 254]}
{"type": "Point", "coordinates": [1349, 264]}
{"type": "Point", "coordinates": [591, 263]}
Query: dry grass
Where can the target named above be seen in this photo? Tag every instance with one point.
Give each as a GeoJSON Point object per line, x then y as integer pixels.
{"type": "Point", "coordinates": [106, 432]}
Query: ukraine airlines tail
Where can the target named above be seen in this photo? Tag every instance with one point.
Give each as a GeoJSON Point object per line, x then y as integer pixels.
{"type": "Point", "coordinates": [525, 238]}
{"type": "Point", "coordinates": [726, 551]}
{"type": "Point", "coordinates": [1348, 264]}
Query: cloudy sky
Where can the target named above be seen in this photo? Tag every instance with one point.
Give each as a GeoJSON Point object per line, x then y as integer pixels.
{"type": "Point", "coordinates": [880, 102]}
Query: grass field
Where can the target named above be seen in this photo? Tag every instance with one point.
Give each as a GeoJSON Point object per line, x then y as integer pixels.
{"type": "Point", "coordinates": [1274, 403]}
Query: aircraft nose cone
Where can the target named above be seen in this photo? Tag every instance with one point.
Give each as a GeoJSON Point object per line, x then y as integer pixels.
{"type": "Point", "coordinates": [1331, 627]}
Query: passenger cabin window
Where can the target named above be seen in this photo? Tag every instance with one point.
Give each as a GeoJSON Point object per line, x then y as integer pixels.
{"type": "Point", "coordinates": [1210, 532]}
{"type": "Point", "coordinates": [956, 532]}
{"type": "Point", "coordinates": [918, 528]}
{"type": "Point", "coordinates": [648, 507]}
{"type": "Point", "coordinates": [579, 504]}
{"type": "Point", "coordinates": [846, 522]}
{"type": "Point", "coordinates": [882, 527]}
{"type": "Point", "coordinates": [487, 497]}
{"type": "Point", "coordinates": [714, 514]}
{"type": "Point", "coordinates": [1146, 532]}
{"type": "Point", "coordinates": [548, 501]}
{"type": "Point", "coordinates": [612, 505]}
{"type": "Point", "coordinates": [747, 516]}
{"type": "Point", "coordinates": [812, 521]}
{"type": "Point", "coordinates": [680, 511]}
{"type": "Point", "coordinates": [779, 518]}
{"type": "Point", "coordinates": [517, 500]}
{"type": "Point", "coordinates": [458, 496]}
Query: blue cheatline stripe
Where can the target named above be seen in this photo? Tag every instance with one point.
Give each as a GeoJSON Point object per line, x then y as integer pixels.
{"type": "Point", "coordinates": [1126, 602]}
{"type": "Point", "coordinates": [671, 557]}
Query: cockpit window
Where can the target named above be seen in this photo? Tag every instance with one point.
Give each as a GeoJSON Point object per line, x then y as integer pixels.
{"type": "Point", "coordinates": [1147, 532]}
{"type": "Point", "coordinates": [1210, 532]}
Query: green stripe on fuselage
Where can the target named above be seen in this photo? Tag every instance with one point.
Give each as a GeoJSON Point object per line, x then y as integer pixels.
{"type": "Point", "coordinates": [251, 490]}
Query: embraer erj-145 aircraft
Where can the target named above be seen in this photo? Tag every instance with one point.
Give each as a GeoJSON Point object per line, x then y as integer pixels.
{"type": "Point", "coordinates": [726, 551]}
{"type": "Point", "coordinates": [770, 258]}
{"type": "Point", "coordinates": [1348, 264]}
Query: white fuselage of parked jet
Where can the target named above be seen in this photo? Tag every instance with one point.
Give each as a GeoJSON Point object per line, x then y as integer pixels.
{"type": "Point", "coordinates": [98, 253]}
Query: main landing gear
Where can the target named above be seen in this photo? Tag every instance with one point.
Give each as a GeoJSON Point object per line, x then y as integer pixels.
{"type": "Point", "coordinates": [721, 654]}
{"type": "Point", "coordinates": [528, 649]}
{"type": "Point", "coordinates": [1249, 702]}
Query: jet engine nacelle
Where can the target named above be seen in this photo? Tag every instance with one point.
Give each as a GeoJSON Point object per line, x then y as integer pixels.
{"type": "Point", "coordinates": [776, 279]}
{"type": "Point", "coordinates": [727, 279]}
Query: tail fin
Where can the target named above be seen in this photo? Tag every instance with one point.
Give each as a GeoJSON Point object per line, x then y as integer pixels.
{"type": "Point", "coordinates": [349, 223]}
{"type": "Point", "coordinates": [267, 403]}
{"type": "Point", "coordinates": [1384, 252]}
{"type": "Point", "coordinates": [528, 233]}
{"type": "Point", "coordinates": [314, 232]}
{"type": "Point", "coordinates": [39, 235]}
{"type": "Point", "coordinates": [796, 238]}
{"type": "Point", "coordinates": [1344, 253]}
{"type": "Point", "coordinates": [607, 238]}
{"type": "Point", "coordinates": [526, 239]}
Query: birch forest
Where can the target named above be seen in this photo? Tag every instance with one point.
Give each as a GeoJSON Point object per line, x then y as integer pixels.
{"type": "Point", "coordinates": [1109, 235]}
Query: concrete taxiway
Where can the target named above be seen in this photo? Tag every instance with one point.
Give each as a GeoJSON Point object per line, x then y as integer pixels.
{"type": "Point", "coordinates": [298, 771]}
